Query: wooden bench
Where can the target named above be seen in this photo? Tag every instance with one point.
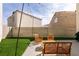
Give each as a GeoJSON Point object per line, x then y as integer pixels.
{"type": "Point", "coordinates": [57, 48]}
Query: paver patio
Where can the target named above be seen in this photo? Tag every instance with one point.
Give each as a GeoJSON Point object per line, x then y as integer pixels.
{"type": "Point", "coordinates": [30, 51]}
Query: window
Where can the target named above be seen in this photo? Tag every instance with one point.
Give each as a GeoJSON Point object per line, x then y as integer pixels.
{"type": "Point", "coordinates": [56, 20]}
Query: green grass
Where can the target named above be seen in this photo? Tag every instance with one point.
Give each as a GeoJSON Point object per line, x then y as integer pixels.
{"type": "Point", "coordinates": [8, 47]}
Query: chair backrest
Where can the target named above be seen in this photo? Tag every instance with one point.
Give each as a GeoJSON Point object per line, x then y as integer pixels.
{"type": "Point", "coordinates": [50, 48]}
{"type": "Point", "coordinates": [50, 37]}
{"type": "Point", "coordinates": [57, 48]}
{"type": "Point", "coordinates": [38, 38]}
{"type": "Point", "coordinates": [64, 47]}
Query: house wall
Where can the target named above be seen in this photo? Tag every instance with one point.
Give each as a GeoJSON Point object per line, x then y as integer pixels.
{"type": "Point", "coordinates": [77, 17]}
{"type": "Point", "coordinates": [10, 21]}
{"type": "Point", "coordinates": [29, 25]}
{"type": "Point", "coordinates": [65, 24]}
{"type": "Point", "coordinates": [27, 20]}
{"type": "Point", "coordinates": [0, 21]}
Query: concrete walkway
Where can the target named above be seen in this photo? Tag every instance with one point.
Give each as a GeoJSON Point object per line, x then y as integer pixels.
{"type": "Point", "coordinates": [30, 51]}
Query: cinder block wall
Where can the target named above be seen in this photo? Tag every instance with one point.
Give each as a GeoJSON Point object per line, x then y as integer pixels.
{"type": "Point", "coordinates": [28, 31]}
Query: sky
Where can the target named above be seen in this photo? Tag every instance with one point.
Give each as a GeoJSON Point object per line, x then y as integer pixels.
{"type": "Point", "coordinates": [45, 11]}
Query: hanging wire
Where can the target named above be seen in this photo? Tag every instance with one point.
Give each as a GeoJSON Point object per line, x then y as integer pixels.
{"type": "Point", "coordinates": [42, 17]}
{"type": "Point", "coordinates": [19, 30]}
{"type": "Point", "coordinates": [48, 29]}
{"type": "Point", "coordinates": [37, 10]}
{"type": "Point", "coordinates": [46, 8]}
{"type": "Point", "coordinates": [32, 17]}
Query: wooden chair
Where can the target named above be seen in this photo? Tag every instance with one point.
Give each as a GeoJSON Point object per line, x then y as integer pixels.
{"type": "Point", "coordinates": [38, 38]}
{"type": "Point", "coordinates": [64, 48]}
{"type": "Point", "coordinates": [50, 37]}
{"type": "Point", "coordinates": [57, 48]}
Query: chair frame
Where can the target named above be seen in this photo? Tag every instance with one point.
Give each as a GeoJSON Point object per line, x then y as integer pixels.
{"type": "Point", "coordinates": [69, 53]}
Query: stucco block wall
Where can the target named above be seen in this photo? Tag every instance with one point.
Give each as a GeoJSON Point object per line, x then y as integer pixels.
{"type": "Point", "coordinates": [65, 25]}
{"type": "Point", "coordinates": [28, 31]}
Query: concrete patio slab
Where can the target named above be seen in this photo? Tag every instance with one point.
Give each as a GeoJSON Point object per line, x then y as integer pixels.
{"type": "Point", "coordinates": [30, 51]}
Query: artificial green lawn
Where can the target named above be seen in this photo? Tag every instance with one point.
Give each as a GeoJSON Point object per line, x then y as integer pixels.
{"type": "Point", "coordinates": [8, 47]}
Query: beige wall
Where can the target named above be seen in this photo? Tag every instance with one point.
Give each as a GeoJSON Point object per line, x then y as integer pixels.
{"type": "Point", "coordinates": [65, 25]}
{"type": "Point", "coordinates": [28, 31]}
{"type": "Point", "coordinates": [27, 24]}
{"type": "Point", "coordinates": [0, 21]}
{"type": "Point", "coordinates": [77, 17]}
{"type": "Point", "coordinates": [10, 21]}
{"type": "Point", "coordinates": [5, 31]}
{"type": "Point", "coordinates": [27, 20]}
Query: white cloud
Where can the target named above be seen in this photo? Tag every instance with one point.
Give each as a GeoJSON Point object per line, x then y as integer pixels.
{"type": "Point", "coordinates": [63, 6]}
{"type": "Point", "coordinates": [70, 7]}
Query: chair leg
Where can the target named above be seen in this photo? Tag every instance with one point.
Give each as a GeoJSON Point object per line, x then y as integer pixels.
{"type": "Point", "coordinates": [43, 54]}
